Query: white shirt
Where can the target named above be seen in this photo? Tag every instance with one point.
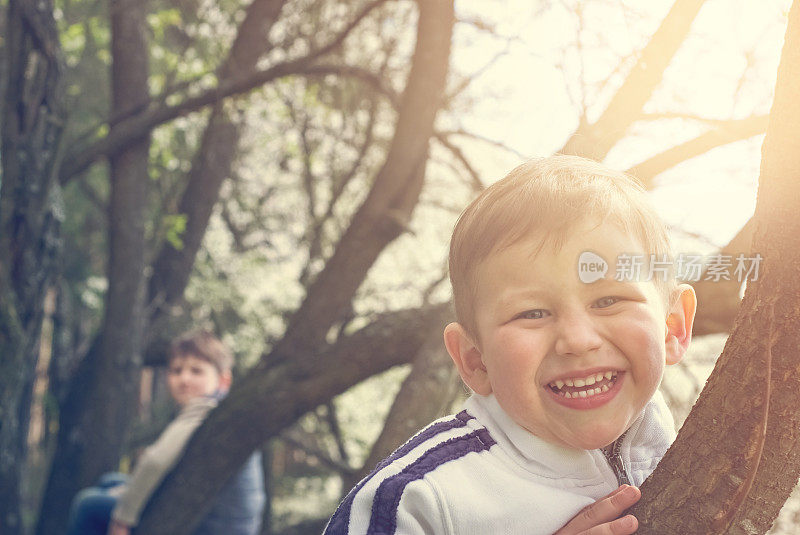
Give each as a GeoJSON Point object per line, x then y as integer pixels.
{"type": "Point", "coordinates": [480, 473]}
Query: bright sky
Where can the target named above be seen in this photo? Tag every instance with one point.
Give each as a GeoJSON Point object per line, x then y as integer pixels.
{"type": "Point", "coordinates": [726, 69]}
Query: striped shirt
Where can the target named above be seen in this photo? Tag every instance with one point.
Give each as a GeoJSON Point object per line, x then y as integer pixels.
{"type": "Point", "coordinates": [478, 472]}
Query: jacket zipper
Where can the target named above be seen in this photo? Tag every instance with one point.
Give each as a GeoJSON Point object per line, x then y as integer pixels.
{"type": "Point", "coordinates": [617, 464]}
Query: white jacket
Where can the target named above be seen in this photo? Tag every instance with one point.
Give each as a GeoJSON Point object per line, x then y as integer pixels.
{"type": "Point", "coordinates": [480, 473]}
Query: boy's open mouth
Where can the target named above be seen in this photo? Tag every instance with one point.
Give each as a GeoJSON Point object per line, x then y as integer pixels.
{"type": "Point", "coordinates": [585, 387]}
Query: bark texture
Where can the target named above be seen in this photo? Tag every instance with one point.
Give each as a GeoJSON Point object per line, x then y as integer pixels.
{"type": "Point", "coordinates": [30, 214]}
{"type": "Point", "coordinates": [737, 457]}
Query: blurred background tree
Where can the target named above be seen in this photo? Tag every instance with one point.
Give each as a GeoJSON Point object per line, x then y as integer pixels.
{"type": "Point", "coordinates": [272, 171]}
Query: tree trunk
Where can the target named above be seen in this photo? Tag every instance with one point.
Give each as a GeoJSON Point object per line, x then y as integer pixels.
{"type": "Point", "coordinates": [281, 389]}
{"type": "Point", "coordinates": [95, 418]}
{"type": "Point", "coordinates": [737, 457]}
{"type": "Point", "coordinates": [30, 214]}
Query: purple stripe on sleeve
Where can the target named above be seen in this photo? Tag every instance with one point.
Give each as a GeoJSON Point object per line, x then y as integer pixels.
{"type": "Point", "coordinates": [459, 420]}
{"type": "Point", "coordinates": [387, 497]}
{"type": "Point", "coordinates": [340, 520]}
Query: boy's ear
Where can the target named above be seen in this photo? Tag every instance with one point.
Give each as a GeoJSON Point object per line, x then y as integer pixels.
{"type": "Point", "coordinates": [680, 318]}
{"type": "Point", "coordinates": [468, 359]}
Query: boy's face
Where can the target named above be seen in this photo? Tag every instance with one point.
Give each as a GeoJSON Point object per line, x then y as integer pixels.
{"type": "Point", "coordinates": [539, 326]}
{"type": "Point", "coordinates": [190, 377]}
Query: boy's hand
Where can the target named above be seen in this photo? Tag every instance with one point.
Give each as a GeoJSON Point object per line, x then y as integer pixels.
{"type": "Point", "coordinates": [602, 517]}
{"type": "Point", "coordinates": [115, 528]}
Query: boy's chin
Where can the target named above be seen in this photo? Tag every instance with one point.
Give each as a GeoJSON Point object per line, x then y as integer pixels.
{"type": "Point", "coordinates": [596, 441]}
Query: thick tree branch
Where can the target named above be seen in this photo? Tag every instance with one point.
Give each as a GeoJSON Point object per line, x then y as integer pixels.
{"type": "Point", "coordinates": [284, 395]}
{"type": "Point", "coordinates": [596, 139]}
{"type": "Point", "coordinates": [394, 193]}
{"type": "Point", "coordinates": [718, 302]}
{"type": "Point", "coordinates": [81, 158]}
{"type": "Point", "coordinates": [724, 133]}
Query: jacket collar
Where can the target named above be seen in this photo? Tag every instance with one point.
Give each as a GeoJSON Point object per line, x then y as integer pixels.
{"type": "Point", "coordinates": [648, 437]}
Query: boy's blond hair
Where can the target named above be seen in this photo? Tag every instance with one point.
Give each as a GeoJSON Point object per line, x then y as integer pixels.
{"type": "Point", "coordinates": [202, 344]}
{"type": "Point", "coordinates": [547, 197]}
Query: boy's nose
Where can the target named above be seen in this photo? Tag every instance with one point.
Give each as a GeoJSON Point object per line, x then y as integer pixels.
{"type": "Point", "coordinates": [576, 335]}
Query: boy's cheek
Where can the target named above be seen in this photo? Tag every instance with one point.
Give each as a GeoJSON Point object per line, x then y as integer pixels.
{"type": "Point", "coordinates": [642, 331]}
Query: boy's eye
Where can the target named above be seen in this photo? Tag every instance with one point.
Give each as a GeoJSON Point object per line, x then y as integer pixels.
{"type": "Point", "coordinates": [534, 314]}
{"type": "Point", "coordinates": [604, 302]}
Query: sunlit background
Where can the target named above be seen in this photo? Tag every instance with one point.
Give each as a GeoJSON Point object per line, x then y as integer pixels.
{"type": "Point", "coordinates": [525, 77]}
{"type": "Point", "coordinates": [537, 70]}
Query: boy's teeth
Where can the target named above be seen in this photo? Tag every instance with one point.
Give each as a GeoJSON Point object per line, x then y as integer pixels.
{"type": "Point", "coordinates": [581, 382]}
{"type": "Point", "coordinates": [585, 393]}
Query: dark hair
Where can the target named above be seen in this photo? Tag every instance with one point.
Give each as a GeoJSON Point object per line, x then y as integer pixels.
{"type": "Point", "coordinates": [204, 345]}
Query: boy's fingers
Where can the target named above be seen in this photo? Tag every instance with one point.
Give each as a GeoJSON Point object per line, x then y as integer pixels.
{"type": "Point", "coordinates": [621, 526]}
{"type": "Point", "coordinates": [609, 508]}
{"type": "Point", "coordinates": [625, 498]}
{"type": "Point", "coordinates": [601, 513]}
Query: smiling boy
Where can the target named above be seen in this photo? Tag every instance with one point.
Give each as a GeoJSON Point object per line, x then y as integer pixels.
{"type": "Point", "coordinates": [539, 326]}
{"type": "Point", "coordinates": [565, 373]}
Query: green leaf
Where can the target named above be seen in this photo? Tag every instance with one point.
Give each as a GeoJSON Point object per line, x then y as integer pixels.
{"type": "Point", "coordinates": [175, 226]}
